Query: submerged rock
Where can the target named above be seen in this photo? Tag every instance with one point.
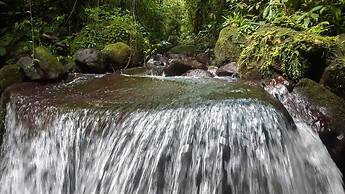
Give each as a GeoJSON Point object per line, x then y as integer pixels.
{"type": "Point", "coordinates": [118, 55]}
{"type": "Point", "coordinates": [90, 61]}
{"type": "Point", "coordinates": [198, 73]}
{"type": "Point", "coordinates": [227, 70]}
{"type": "Point", "coordinates": [9, 75]}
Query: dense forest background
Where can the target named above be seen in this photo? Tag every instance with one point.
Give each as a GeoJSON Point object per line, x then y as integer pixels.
{"type": "Point", "coordinates": [155, 26]}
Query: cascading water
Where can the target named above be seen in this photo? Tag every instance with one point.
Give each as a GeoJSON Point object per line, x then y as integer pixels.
{"type": "Point", "coordinates": [188, 138]}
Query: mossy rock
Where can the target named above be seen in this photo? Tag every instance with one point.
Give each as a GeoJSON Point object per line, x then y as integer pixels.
{"type": "Point", "coordinates": [9, 75]}
{"type": "Point", "coordinates": [120, 29]}
{"type": "Point", "coordinates": [118, 54]}
{"type": "Point", "coordinates": [229, 45]}
{"type": "Point", "coordinates": [49, 64]}
{"type": "Point", "coordinates": [282, 50]}
{"type": "Point", "coordinates": [334, 77]}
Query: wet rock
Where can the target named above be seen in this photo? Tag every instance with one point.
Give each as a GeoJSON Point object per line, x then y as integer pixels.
{"type": "Point", "coordinates": [155, 69]}
{"type": "Point", "coordinates": [9, 75]}
{"type": "Point", "coordinates": [158, 60]}
{"type": "Point", "coordinates": [198, 73]}
{"type": "Point", "coordinates": [325, 102]}
{"type": "Point", "coordinates": [203, 58]}
{"type": "Point", "coordinates": [229, 45]}
{"type": "Point", "coordinates": [178, 67]}
{"type": "Point", "coordinates": [50, 66]}
{"type": "Point", "coordinates": [31, 69]}
{"type": "Point", "coordinates": [156, 64]}
{"type": "Point", "coordinates": [334, 79]}
{"type": "Point", "coordinates": [90, 61]}
{"type": "Point", "coordinates": [213, 70]}
{"type": "Point", "coordinates": [227, 70]}
{"type": "Point", "coordinates": [326, 112]}
{"type": "Point", "coordinates": [118, 55]}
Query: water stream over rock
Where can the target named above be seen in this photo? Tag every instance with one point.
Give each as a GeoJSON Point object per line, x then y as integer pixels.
{"type": "Point", "coordinates": [118, 134]}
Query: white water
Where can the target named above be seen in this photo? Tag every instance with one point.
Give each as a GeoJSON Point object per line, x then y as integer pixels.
{"type": "Point", "coordinates": [234, 146]}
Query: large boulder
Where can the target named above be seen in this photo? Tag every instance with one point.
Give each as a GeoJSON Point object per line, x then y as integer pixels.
{"type": "Point", "coordinates": [118, 55]}
{"type": "Point", "coordinates": [9, 75]}
{"type": "Point", "coordinates": [334, 78]}
{"type": "Point", "coordinates": [90, 61]}
{"type": "Point", "coordinates": [50, 66]}
{"type": "Point", "coordinates": [229, 45]}
{"type": "Point", "coordinates": [178, 67]}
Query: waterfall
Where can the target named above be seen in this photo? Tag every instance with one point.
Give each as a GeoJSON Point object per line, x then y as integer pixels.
{"type": "Point", "coordinates": [234, 145]}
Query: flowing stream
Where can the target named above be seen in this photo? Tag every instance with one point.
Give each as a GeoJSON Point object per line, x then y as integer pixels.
{"type": "Point", "coordinates": [188, 137]}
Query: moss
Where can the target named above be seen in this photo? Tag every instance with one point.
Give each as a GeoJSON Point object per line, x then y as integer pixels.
{"type": "Point", "coordinates": [119, 53]}
{"type": "Point", "coordinates": [9, 75]}
{"type": "Point", "coordinates": [297, 54]}
{"type": "Point", "coordinates": [229, 45]}
{"type": "Point", "coordinates": [120, 29]}
{"type": "Point", "coordinates": [48, 63]}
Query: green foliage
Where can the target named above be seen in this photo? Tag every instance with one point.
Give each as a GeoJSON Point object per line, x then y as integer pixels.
{"type": "Point", "coordinates": [108, 26]}
{"type": "Point", "coordinates": [285, 50]}
{"type": "Point", "coordinates": [322, 17]}
{"type": "Point", "coordinates": [243, 23]}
